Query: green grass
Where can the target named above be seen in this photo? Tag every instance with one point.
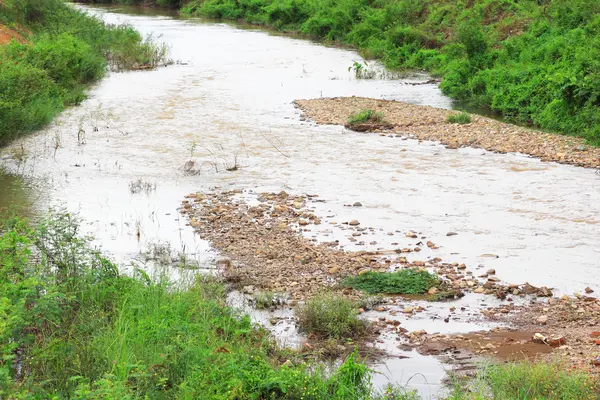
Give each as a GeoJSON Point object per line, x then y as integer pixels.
{"type": "Point", "coordinates": [365, 116]}
{"type": "Point", "coordinates": [330, 316]}
{"type": "Point", "coordinates": [460, 118]}
{"type": "Point", "coordinates": [528, 381]}
{"type": "Point", "coordinates": [405, 281]}
{"type": "Point", "coordinates": [66, 51]}
{"type": "Point", "coordinates": [84, 331]}
{"type": "Point", "coordinates": [533, 61]}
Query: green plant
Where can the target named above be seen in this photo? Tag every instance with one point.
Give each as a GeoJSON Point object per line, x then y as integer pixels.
{"type": "Point", "coordinates": [460, 118]}
{"type": "Point", "coordinates": [405, 281]}
{"type": "Point", "coordinates": [527, 381]}
{"type": "Point", "coordinates": [365, 116]}
{"type": "Point", "coordinates": [264, 300]}
{"type": "Point", "coordinates": [330, 316]}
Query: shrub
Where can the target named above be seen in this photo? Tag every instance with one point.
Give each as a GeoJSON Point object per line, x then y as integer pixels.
{"type": "Point", "coordinates": [460, 118]}
{"type": "Point", "coordinates": [330, 316]}
{"type": "Point", "coordinates": [405, 281]}
{"type": "Point", "coordinates": [365, 116]}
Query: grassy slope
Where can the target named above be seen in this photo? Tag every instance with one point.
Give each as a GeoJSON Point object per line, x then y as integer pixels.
{"type": "Point", "coordinates": [60, 52]}
{"type": "Point", "coordinates": [536, 61]}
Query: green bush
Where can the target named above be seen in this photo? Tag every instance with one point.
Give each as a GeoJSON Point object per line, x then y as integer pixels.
{"type": "Point", "coordinates": [330, 316]}
{"type": "Point", "coordinates": [365, 116]}
{"type": "Point", "coordinates": [460, 118]}
{"type": "Point", "coordinates": [405, 281]}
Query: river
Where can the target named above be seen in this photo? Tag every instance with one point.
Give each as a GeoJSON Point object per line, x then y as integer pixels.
{"type": "Point", "coordinates": [125, 158]}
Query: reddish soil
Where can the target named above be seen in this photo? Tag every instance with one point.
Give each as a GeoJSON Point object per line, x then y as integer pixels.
{"type": "Point", "coordinates": [7, 35]}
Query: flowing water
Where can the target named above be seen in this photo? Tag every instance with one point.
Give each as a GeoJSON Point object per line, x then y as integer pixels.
{"type": "Point", "coordinates": [223, 118]}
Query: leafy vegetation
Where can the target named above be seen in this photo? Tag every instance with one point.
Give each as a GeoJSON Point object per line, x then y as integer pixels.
{"type": "Point", "coordinates": [528, 381]}
{"type": "Point", "coordinates": [73, 327]}
{"type": "Point", "coordinates": [405, 281]}
{"type": "Point", "coordinates": [535, 61]}
{"type": "Point", "coordinates": [63, 51]}
{"type": "Point", "coordinates": [330, 316]}
{"type": "Point", "coordinates": [459, 118]}
{"type": "Point", "coordinates": [365, 116]}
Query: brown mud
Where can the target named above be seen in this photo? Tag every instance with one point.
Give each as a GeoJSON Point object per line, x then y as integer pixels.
{"type": "Point", "coordinates": [428, 123]}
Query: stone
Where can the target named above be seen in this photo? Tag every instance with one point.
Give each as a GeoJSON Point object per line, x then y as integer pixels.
{"type": "Point", "coordinates": [408, 310]}
{"type": "Point", "coordinates": [357, 204]}
{"type": "Point", "coordinates": [479, 290]}
{"type": "Point", "coordinates": [451, 234]}
{"type": "Point", "coordinates": [543, 319]}
{"type": "Point", "coordinates": [588, 290]}
{"type": "Point", "coordinates": [491, 272]}
{"type": "Point", "coordinates": [334, 270]}
{"type": "Point", "coordinates": [432, 290]}
{"type": "Point", "coordinates": [354, 222]}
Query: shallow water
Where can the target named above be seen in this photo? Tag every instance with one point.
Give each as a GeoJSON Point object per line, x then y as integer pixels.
{"type": "Point", "coordinates": [229, 103]}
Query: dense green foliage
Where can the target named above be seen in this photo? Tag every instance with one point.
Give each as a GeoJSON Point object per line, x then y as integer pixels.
{"type": "Point", "coordinates": [72, 326]}
{"type": "Point", "coordinates": [159, 3]}
{"type": "Point", "coordinates": [62, 51]}
{"type": "Point", "coordinates": [528, 381]}
{"type": "Point", "coordinates": [405, 281]}
{"type": "Point", "coordinates": [536, 61]}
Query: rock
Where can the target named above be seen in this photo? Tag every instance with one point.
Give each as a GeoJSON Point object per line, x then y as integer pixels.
{"type": "Point", "coordinates": [557, 341]}
{"type": "Point", "coordinates": [543, 319]}
{"type": "Point", "coordinates": [491, 272]}
{"type": "Point", "coordinates": [588, 290]}
{"type": "Point", "coordinates": [334, 270]}
{"type": "Point", "coordinates": [273, 321]}
{"type": "Point", "coordinates": [462, 266]}
{"type": "Point", "coordinates": [287, 363]}
{"type": "Point", "coordinates": [363, 271]}
{"type": "Point", "coordinates": [354, 222]}
{"type": "Point", "coordinates": [430, 244]}
{"type": "Point", "coordinates": [302, 222]}
{"type": "Point", "coordinates": [451, 234]}
{"type": "Point", "coordinates": [357, 204]}
{"type": "Point", "coordinates": [380, 309]}
{"type": "Point", "coordinates": [479, 290]}
{"type": "Point", "coordinates": [432, 290]}
{"type": "Point", "coordinates": [408, 310]}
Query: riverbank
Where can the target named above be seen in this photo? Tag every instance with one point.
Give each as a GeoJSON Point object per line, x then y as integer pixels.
{"type": "Point", "coordinates": [428, 123]}
{"type": "Point", "coordinates": [531, 61]}
{"type": "Point", "coordinates": [51, 53]}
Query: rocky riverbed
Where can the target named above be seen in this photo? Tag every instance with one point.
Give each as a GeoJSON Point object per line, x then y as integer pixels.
{"type": "Point", "coordinates": [428, 123]}
{"type": "Point", "coordinates": [263, 240]}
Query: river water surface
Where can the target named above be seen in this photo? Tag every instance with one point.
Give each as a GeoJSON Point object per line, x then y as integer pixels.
{"type": "Point", "coordinates": [123, 158]}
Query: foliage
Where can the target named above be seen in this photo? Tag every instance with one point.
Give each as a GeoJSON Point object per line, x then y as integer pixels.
{"type": "Point", "coordinates": [330, 316]}
{"type": "Point", "coordinates": [534, 61]}
{"type": "Point", "coordinates": [365, 116]}
{"type": "Point", "coordinates": [71, 326]}
{"type": "Point", "coordinates": [405, 281]}
{"type": "Point", "coordinates": [460, 118]}
{"type": "Point", "coordinates": [528, 381]}
{"type": "Point", "coordinates": [66, 50]}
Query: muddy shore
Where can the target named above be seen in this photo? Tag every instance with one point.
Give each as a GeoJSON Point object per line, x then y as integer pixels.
{"type": "Point", "coordinates": [428, 123]}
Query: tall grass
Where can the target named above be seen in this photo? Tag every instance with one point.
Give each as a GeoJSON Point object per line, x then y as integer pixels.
{"type": "Point", "coordinates": [535, 61]}
{"type": "Point", "coordinates": [65, 51]}
{"type": "Point", "coordinates": [74, 327]}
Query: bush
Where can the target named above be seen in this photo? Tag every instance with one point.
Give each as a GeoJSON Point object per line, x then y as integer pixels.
{"type": "Point", "coordinates": [405, 281]}
{"type": "Point", "coordinates": [365, 116]}
{"type": "Point", "coordinates": [330, 316]}
{"type": "Point", "coordinates": [460, 118]}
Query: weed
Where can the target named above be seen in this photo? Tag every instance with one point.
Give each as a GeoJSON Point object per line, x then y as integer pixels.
{"type": "Point", "coordinates": [405, 281]}
{"type": "Point", "coordinates": [365, 116]}
{"type": "Point", "coordinates": [141, 186]}
{"type": "Point", "coordinates": [330, 316]}
{"type": "Point", "coordinates": [460, 118]}
{"type": "Point", "coordinates": [527, 381]}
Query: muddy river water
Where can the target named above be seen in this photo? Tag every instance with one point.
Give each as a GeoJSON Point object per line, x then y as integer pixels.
{"type": "Point", "coordinates": [223, 117]}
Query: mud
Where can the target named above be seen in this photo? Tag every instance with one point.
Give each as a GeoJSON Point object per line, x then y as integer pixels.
{"type": "Point", "coordinates": [428, 123]}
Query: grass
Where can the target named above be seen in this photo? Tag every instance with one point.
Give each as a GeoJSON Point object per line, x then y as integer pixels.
{"type": "Point", "coordinates": [460, 118]}
{"type": "Point", "coordinates": [364, 116]}
{"type": "Point", "coordinates": [528, 381]}
{"type": "Point", "coordinates": [65, 51]}
{"type": "Point", "coordinates": [330, 316]}
{"type": "Point", "coordinates": [77, 328]}
{"type": "Point", "coordinates": [405, 281]}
